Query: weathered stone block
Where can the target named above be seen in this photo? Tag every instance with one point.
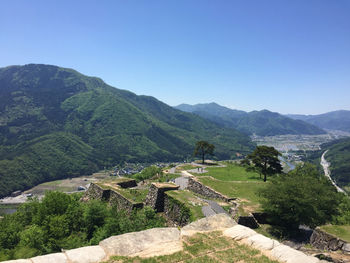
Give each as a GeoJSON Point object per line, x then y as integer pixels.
{"type": "Point", "coordinates": [212, 223]}
{"type": "Point", "coordinates": [92, 254]}
{"type": "Point", "coordinates": [136, 242]}
{"type": "Point", "coordinates": [289, 255]}
{"type": "Point", "coordinates": [17, 261]}
{"type": "Point", "coordinates": [239, 232]}
{"type": "Point", "coordinates": [51, 258]}
{"type": "Point", "coordinates": [261, 242]}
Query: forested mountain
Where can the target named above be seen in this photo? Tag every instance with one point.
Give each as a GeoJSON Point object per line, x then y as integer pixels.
{"type": "Point", "coordinates": [57, 123]}
{"type": "Point", "coordinates": [339, 156]}
{"type": "Point", "coordinates": [335, 120]}
{"type": "Point", "coordinates": [263, 123]}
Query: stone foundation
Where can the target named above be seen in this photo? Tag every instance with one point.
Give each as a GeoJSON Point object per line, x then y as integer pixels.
{"type": "Point", "coordinates": [111, 196]}
{"type": "Point", "coordinates": [155, 197]}
{"type": "Point", "coordinates": [325, 241]}
{"type": "Point", "coordinates": [197, 187]}
{"type": "Point", "coordinates": [176, 212]}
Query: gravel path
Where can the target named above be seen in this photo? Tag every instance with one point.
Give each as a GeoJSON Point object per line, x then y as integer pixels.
{"type": "Point", "coordinates": [208, 211]}
{"type": "Point", "coordinates": [182, 182]}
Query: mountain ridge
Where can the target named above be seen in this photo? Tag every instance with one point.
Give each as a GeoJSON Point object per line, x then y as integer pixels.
{"type": "Point", "coordinates": [334, 120]}
{"type": "Point", "coordinates": [43, 105]}
{"type": "Point", "coordinates": [263, 123]}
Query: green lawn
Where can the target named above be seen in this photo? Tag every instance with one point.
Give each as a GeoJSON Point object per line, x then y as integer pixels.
{"type": "Point", "coordinates": [135, 195]}
{"type": "Point", "coordinates": [246, 190]}
{"type": "Point", "coordinates": [207, 248]}
{"type": "Point", "coordinates": [342, 232]}
{"type": "Point", "coordinates": [232, 172]}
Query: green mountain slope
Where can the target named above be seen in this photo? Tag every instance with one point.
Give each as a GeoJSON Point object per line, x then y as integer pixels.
{"type": "Point", "coordinates": [57, 123]}
{"type": "Point", "coordinates": [335, 120]}
{"type": "Point", "coordinates": [339, 156]}
{"type": "Point", "coordinates": [263, 123]}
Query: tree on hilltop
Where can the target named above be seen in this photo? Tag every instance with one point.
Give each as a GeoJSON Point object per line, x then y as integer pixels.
{"type": "Point", "coordinates": [264, 160]}
{"type": "Point", "coordinates": [202, 149]}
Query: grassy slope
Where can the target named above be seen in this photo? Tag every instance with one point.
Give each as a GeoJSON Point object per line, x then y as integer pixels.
{"type": "Point", "coordinates": [342, 232]}
{"type": "Point", "coordinates": [234, 181]}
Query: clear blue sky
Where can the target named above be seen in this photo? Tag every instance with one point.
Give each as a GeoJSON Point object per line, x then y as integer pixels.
{"type": "Point", "coordinates": [287, 56]}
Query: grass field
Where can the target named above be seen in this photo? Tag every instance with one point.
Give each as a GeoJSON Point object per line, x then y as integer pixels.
{"type": "Point", "coordinates": [342, 232]}
{"type": "Point", "coordinates": [205, 248]}
{"type": "Point", "coordinates": [135, 195]}
{"type": "Point", "coordinates": [232, 172]}
{"type": "Point", "coordinates": [242, 190]}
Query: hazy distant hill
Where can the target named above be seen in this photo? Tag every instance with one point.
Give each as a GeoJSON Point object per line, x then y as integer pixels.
{"type": "Point", "coordinates": [263, 123]}
{"type": "Point", "coordinates": [57, 123]}
{"type": "Point", "coordinates": [335, 120]}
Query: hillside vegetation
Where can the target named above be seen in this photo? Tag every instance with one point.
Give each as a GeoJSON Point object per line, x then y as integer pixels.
{"type": "Point", "coordinates": [339, 156]}
{"type": "Point", "coordinates": [263, 123]}
{"type": "Point", "coordinates": [57, 123]}
{"type": "Point", "coordinates": [61, 221]}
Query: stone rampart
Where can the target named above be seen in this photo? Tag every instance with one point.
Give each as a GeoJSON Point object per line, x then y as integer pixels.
{"type": "Point", "coordinates": [96, 192]}
{"type": "Point", "coordinates": [195, 186]}
{"type": "Point", "coordinates": [127, 183]}
{"type": "Point", "coordinates": [113, 197]}
{"type": "Point", "coordinates": [122, 202]}
{"type": "Point", "coordinates": [175, 211]}
{"type": "Point", "coordinates": [322, 240]}
{"type": "Point", "coordinates": [155, 196]}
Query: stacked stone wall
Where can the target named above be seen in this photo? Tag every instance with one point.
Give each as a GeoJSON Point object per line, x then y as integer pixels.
{"type": "Point", "coordinates": [111, 196]}
{"type": "Point", "coordinates": [128, 184]}
{"type": "Point", "coordinates": [199, 188]}
{"type": "Point", "coordinates": [96, 192]}
{"type": "Point", "coordinates": [176, 212]}
{"type": "Point", "coordinates": [122, 202]}
{"type": "Point", "coordinates": [155, 196]}
{"type": "Point", "coordinates": [322, 240]}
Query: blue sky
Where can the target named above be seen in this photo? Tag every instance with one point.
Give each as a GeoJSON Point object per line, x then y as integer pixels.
{"type": "Point", "coordinates": [286, 56]}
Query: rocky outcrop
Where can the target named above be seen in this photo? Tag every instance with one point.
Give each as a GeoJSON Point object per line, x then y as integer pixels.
{"type": "Point", "coordinates": [325, 241]}
{"type": "Point", "coordinates": [155, 196]}
{"type": "Point", "coordinates": [195, 186]}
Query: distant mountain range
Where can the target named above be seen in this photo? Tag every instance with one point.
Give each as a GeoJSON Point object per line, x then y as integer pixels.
{"type": "Point", "coordinates": [57, 123]}
{"type": "Point", "coordinates": [335, 120]}
{"type": "Point", "coordinates": [263, 123]}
